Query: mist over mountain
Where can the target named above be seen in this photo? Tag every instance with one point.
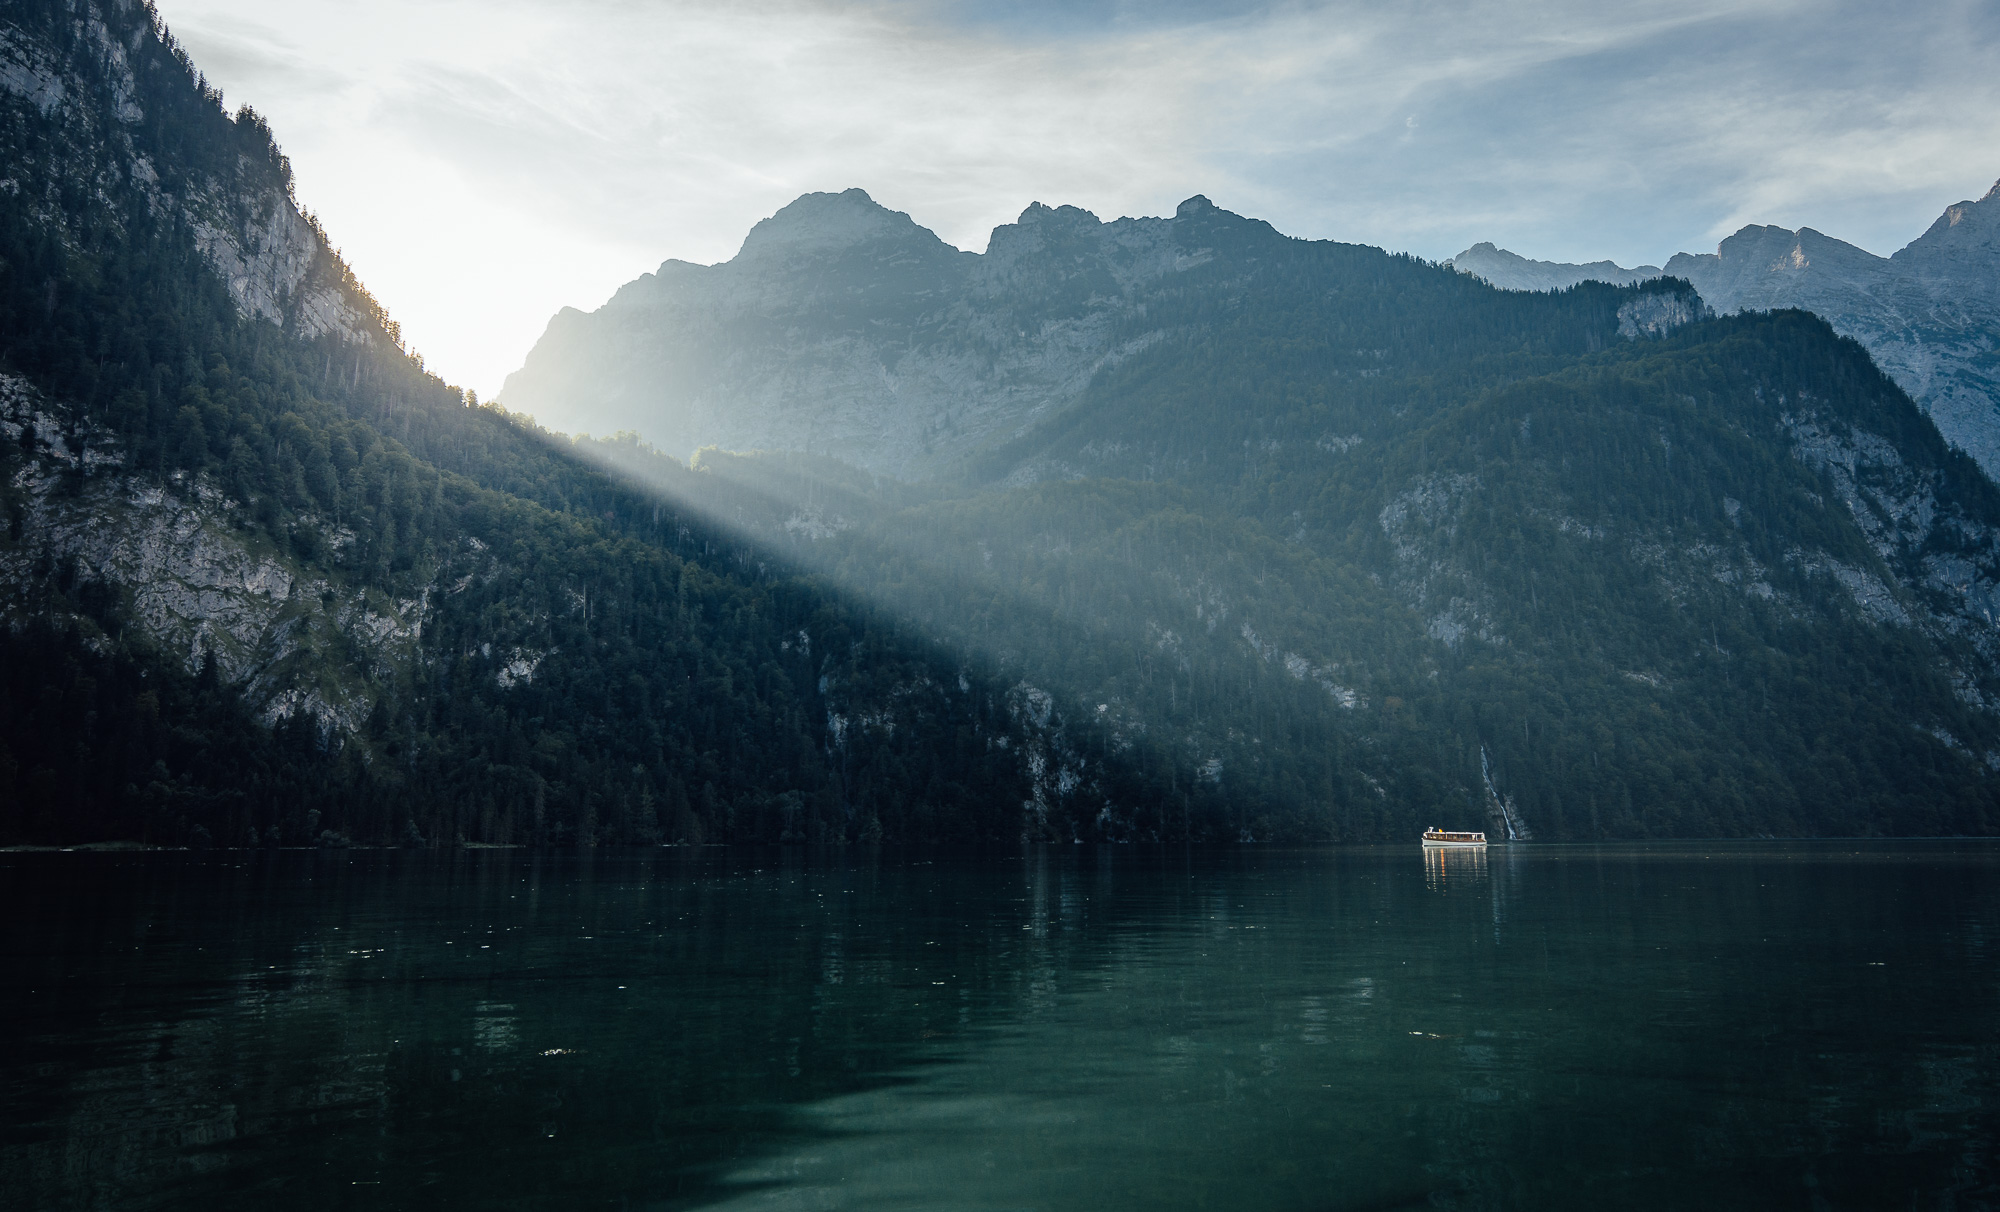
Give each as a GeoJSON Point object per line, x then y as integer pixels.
{"type": "Point", "coordinates": [844, 328]}
{"type": "Point", "coordinates": [1930, 314]}
{"type": "Point", "coordinates": [267, 581]}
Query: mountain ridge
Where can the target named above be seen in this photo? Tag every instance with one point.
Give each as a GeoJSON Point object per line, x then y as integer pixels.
{"type": "Point", "coordinates": [1929, 313]}
{"type": "Point", "coordinates": [957, 347]}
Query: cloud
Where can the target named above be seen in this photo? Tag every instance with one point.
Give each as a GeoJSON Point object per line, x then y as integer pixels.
{"type": "Point", "coordinates": [484, 164]}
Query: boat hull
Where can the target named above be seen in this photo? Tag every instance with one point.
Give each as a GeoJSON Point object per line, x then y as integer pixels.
{"type": "Point", "coordinates": [1436, 845]}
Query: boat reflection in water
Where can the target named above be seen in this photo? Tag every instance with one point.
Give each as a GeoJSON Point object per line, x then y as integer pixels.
{"type": "Point", "coordinates": [1453, 867]}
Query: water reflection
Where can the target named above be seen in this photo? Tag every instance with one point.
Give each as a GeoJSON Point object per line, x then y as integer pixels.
{"type": "Point", "coordinates": [493, 1027]}
{"type": "Point", "coordinates": [1453, 869]}
{"type": "Point", "coordinates": [1054, 1029]}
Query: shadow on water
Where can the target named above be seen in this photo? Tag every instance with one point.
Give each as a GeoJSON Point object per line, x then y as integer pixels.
{"type": "Point", "coordinates": [1738, 1025]}
{"type": "Point", "coordinates": [489, 1028]}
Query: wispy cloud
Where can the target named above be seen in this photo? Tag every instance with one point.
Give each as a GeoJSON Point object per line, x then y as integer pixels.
{"type": "Point", "coordinates": [486, 163]}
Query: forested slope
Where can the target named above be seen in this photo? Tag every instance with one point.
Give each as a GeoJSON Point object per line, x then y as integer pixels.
{"type": "Point", "coordinates": [1726, 583]}
{"type": "Point", "coordinates": [1929, 314]}
{"type": "Point", "coordinates": [268, 580]}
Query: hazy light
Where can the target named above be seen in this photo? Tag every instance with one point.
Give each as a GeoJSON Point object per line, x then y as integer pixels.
{"type": "Point", "coordinates": [485, 164]}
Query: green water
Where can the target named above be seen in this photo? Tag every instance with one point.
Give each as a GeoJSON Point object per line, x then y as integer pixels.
{"type": "Point", "coordinates": [1728, 1026]}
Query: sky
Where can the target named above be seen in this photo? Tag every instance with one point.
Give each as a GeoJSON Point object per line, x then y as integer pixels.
{"type": "Point", "coordinates": [484, 163]}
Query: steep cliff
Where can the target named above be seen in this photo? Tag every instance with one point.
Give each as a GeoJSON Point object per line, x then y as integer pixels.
{"type": "Point", "coordinates": [200, 577]}
{"type": "Point", "coordinates": [93, 74]}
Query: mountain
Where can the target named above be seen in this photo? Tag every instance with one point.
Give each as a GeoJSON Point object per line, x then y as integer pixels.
{"type": "Point", "coordinates": [845, 329]}
{"type": "Point", "coordinates": [267, 580]}
{"type": "Point", "coordinates": [1930, 314]}
{"type": "Point", "coordinates": [1330, 534]}
{"type": "Point", "coordinates": [1160, 529]}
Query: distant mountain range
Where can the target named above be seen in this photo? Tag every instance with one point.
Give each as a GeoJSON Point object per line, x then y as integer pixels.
{"type": "Point", "coordinates": [1930, 314]}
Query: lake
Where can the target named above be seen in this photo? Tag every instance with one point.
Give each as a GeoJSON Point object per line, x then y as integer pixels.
{"type": "Point", "coordinates": [1731, 1025]}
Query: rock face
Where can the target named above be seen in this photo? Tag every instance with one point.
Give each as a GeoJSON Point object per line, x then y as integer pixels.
{"type": "Point", "coordinates": [1930, 314]}
{"type": "Point", "coordinates": [278, 265]}
{"type": "Point", "coordinates": [1658, 313]}
{"type": "Point", "coordinates": [201, 584]}
{"type": "Point", "coordinates": [197, 582]}
{"type": "Point", "coordinates": [845, 329]}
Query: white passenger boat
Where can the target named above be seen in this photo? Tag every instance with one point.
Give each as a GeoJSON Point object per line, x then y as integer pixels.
{"type": "Point", "coordinates": [1443, 839]}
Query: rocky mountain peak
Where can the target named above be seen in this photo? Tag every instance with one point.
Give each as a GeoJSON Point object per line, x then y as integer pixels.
{"type": "Point", "coordinates": [819, 224]}
{"type": "Point", "coordinates": [1038, 229]}
{"type": "Point", "coordinates": [1763, 267]}
{"type": "Point", "coordinates": [1200, 227]}
{"type": "Point", "coordinates": [1041, 215]}
{"type": "Point", "coordinates": [920, 351]}
{"type": "Point", "coordinates": [1040, 224]}
{"type": "Point", "coordinates": [1964, 229]}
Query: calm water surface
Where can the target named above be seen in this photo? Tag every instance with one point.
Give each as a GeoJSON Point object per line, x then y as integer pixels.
{"type": "Point", "coordinates": [1729, 1026]}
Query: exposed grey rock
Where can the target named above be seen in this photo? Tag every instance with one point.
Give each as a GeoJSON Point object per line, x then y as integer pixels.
{"type": "Point", "coordinates": [1934, 567]}
{"type": "Point", "coordinates": [1930, 314]}
{"type": "Point", "coordinates": [1945, 563]}
{"type": "Point", "coordinates": [1657, 313]}
{"type": "Point", "coordinates": [201, 585]}
{"type": "Point", "coordinates": [269, 262]}
{"type": "Point", "coordinates": [278, 266]}
{"type": "Point", "coordinates": [894, 351]}
{"type": "Point", "coordinates": [1420, 523]}
{"type": "Point", "coordinates": [519, 669]}
{"type": "Point", "coordinates": [26, 72]}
